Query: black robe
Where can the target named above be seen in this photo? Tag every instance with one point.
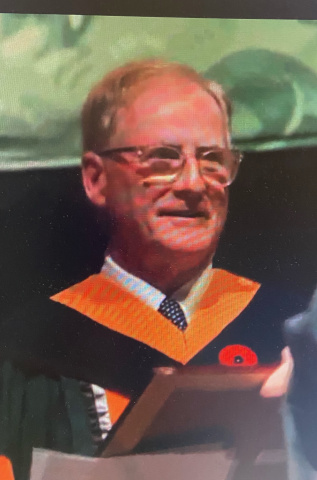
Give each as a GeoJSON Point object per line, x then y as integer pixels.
{"type": "Point", "coordinates": [47, 346]}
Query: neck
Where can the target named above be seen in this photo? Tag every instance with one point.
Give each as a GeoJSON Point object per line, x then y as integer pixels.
{"type": "Point", "coordinates": [166, 271]}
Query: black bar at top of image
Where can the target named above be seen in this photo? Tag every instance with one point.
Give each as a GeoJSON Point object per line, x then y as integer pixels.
{"type": "Point", "coordinates": [288, 9]}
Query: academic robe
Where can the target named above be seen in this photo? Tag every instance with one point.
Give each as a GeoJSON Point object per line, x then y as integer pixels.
{"type": "Point", "coordinates": [98, 332]}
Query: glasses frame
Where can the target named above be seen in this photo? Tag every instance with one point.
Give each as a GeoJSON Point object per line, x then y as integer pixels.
{"type": "Point", "coordinates": [142, 150]}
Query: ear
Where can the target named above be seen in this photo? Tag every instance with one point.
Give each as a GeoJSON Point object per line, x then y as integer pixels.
{"type": "Point", "coordinates": [94, 178]}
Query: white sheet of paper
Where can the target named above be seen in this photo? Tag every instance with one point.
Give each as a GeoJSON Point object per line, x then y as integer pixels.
{"type": "Point", "coordinates": [206, 465]}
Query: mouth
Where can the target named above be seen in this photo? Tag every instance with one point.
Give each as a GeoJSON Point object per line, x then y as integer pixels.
{"type": "Point", "coordinates": [184, 214]}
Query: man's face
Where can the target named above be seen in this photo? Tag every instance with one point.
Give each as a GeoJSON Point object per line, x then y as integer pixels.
{"type": "Point", "coordinates": [188, 214]}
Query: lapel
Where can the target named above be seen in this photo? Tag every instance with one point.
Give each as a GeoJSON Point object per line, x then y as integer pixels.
{"type": "Point", "coordinates": [107, 303]}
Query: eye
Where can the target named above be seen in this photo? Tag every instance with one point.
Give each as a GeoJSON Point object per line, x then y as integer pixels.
{"type": "Point", "coordinates": [213, 156]}
{"type": "Point", "coordinates": [162, 153]}
{"type": "Point", "coordinates": [162, 160]}
{"type": "Point", "coordinates": [159, 165]}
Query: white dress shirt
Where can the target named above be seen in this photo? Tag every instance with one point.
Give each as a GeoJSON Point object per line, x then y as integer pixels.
{"type": "Point", "coordinates": [188, 296]}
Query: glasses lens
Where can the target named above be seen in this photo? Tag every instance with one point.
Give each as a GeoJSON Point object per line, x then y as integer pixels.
{"type": "Point", "coordinates": [218, 165]}
{"type": "Point", "coordinates": [162, 160]}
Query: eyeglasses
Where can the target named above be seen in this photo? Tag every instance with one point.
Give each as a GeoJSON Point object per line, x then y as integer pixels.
{"type": "Point", "coordinates": [164, 163]}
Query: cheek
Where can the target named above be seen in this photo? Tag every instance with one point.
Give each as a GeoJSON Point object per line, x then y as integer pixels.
{"type": "Point", "coordinates": [218, 200]}
{"type": "Point", "coordinates": [218, 205]}
{"type": "Point", "coordinates": [134, 201]}
{"type": "Point", "coordinates": [144, 201]}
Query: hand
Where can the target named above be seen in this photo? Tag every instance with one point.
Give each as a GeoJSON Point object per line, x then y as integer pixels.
{"type": "Point", "coordinates": [277, 383]}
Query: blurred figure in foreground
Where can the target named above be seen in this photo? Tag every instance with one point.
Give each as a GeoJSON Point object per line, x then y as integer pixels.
{"type": "Point", "coordinates": [301, 408]}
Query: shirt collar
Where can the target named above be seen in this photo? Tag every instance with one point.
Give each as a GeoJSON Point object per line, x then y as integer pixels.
{"type": "Point", "coordinates": [188, 295]}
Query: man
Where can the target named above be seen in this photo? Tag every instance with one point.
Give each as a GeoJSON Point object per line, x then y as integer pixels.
{"type": "Point", "coordinates": [158, 156]}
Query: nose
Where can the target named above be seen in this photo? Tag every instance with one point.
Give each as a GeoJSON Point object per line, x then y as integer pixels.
{"type": "Point", "coordinates": [190, 179]}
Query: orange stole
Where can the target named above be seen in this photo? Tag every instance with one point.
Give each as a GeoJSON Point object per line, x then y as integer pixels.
{"type": "Point", "coordinates": [107, 303]}
{"type": "Point", "coordinates": [6, 472]}
{"type": "Point", "coordinates": [117, 403]}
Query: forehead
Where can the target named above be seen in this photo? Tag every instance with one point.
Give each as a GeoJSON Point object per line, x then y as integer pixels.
{"type": "Point", "coordinates": [170, 108]}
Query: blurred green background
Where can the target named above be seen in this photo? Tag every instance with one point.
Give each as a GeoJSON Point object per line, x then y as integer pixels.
{"type": "Point", "coordinates": [49, 63]}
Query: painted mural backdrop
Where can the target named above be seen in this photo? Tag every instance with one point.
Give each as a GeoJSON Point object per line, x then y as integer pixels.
{"type": "Point", "coordinates": [49, 62]}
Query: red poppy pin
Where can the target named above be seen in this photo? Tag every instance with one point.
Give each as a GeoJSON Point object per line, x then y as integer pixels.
{"type": "Point", "coordinates": [237, 356]}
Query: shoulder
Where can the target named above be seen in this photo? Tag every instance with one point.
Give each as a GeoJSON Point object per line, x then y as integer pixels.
{"type": "Point", "coordinates": [259, 325]}
{"type": "Point", "coordinates": [263, 320]}
{"type": "Point", "coordinates": [272, 305]}
{"type": "Point", "coordinates": [278, 301]}
{"type": "Point", "coordinates": [57, 340]}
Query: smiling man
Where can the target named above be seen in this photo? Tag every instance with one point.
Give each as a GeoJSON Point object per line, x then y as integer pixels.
{"type": "Point", "coordinates": [157, 155]}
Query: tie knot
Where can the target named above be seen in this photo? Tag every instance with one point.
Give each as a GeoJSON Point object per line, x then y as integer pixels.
{"type": "Point", "coordinates": [172, 310]}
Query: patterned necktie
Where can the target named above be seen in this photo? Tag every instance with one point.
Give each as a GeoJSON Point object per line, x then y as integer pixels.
{"type": "Point", "coordinates": [173, 311]}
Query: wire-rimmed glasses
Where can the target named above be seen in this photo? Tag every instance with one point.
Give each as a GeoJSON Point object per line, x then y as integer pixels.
{"type": "Point", "coordinates": [164, 163]}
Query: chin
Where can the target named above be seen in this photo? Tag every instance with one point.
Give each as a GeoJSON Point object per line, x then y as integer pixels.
{"type": "Point", "coordinates": [188, 234]}
{"type": "Point", "coordinates": [190, 247]}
